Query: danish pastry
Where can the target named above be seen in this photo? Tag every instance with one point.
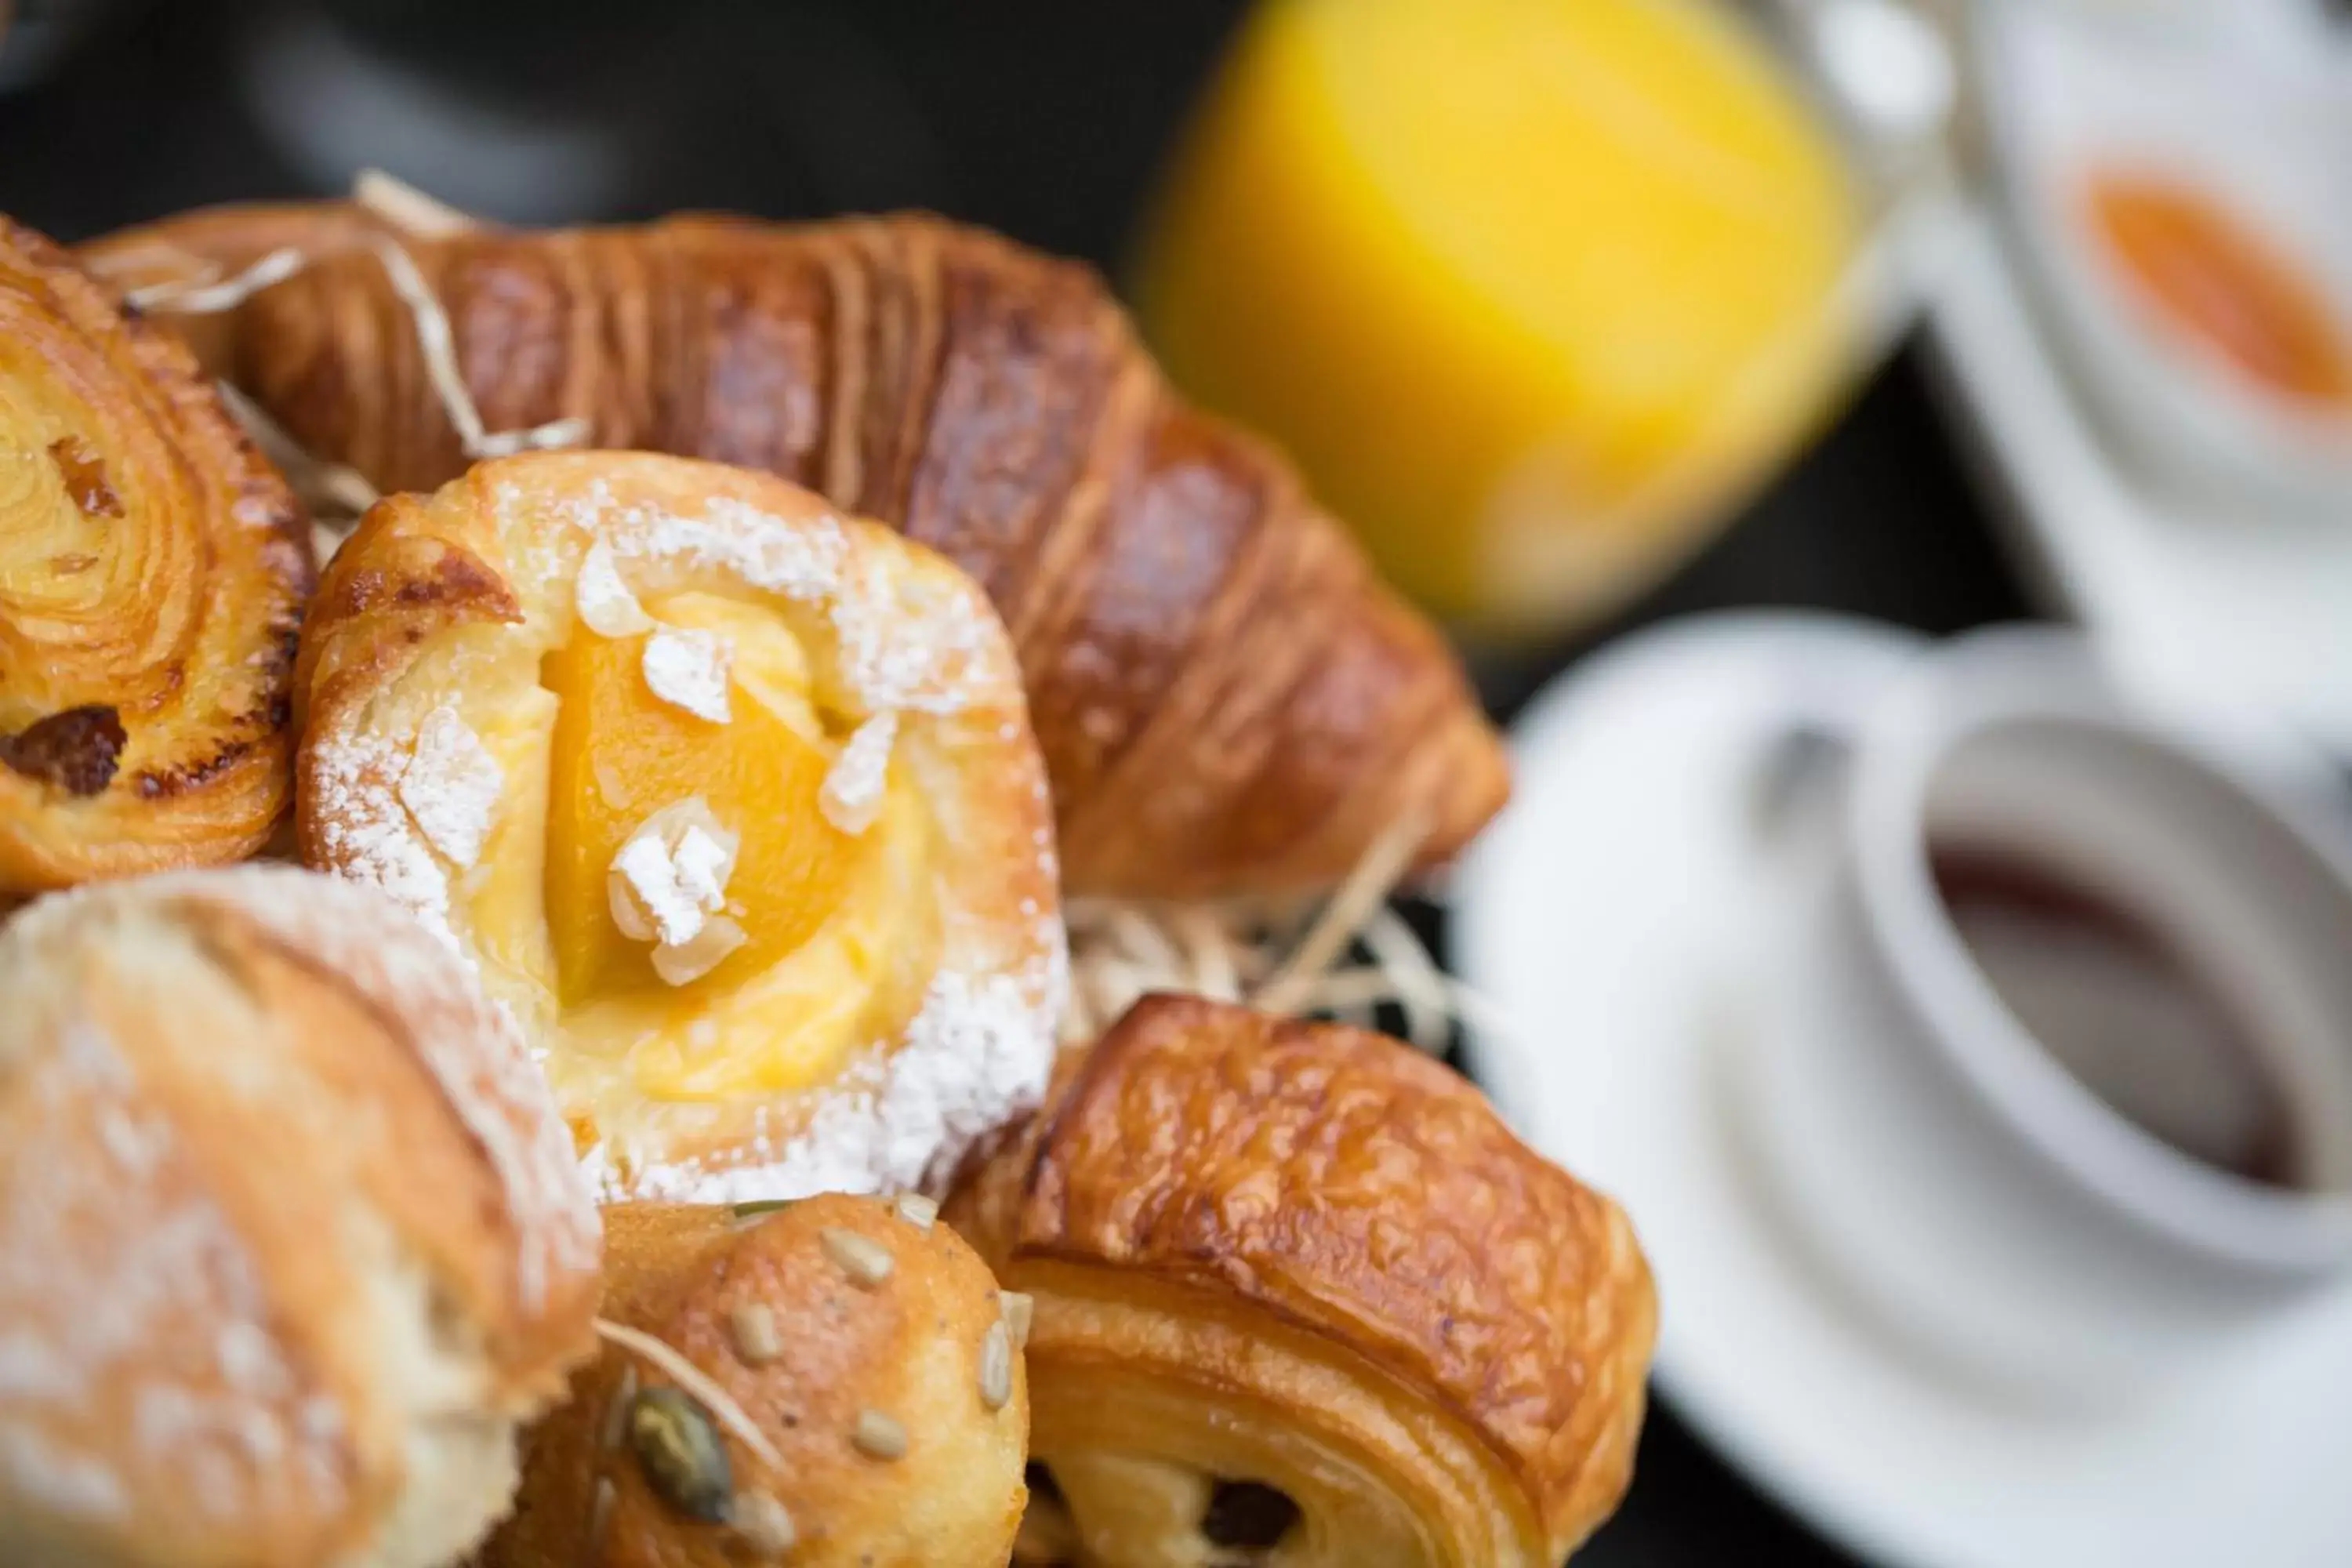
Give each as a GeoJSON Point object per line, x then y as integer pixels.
{"type": "Point", "coordinates": [1300, 1298]}
{"type": "Point", "coordinates": [291, 1238]}
{"type": "Point", "coordinates": [1229, 700]}
{"type": "Point", "coordinates": [153, 570]}
{"type": "Point", "coordinates": [733, 802]}
{"type": "Point", "coordinates": [832, 1386]}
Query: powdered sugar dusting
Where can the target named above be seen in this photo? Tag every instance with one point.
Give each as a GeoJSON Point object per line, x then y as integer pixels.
{"type": "Point", "coordinates": [976, 1055]}
{"type": "Point", "coordinates": [603, 600]}
{"type": "Point", "coordinates": [367, 832]}
{"type": "Point", "coordinates": [112, 1259]}
{"type": "Point", "coordinates": [473, 1050]}
{"type": "Point", "coordinates": [904, 641]}
{"type": "Point", "coordinates": [687, 669]}
{"type": "Point", "coordinates": [907, 640]}
{"type": "Point", "coordinates": [59, 1480]}
{"type": "Point", "coordinates": [930, 671]}
{"type": "Point", "coordinates": [451, 785]}
{"type": "Point", "coordinates": [852, 796]}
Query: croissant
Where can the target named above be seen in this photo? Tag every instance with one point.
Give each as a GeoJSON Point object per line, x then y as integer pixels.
{"type": "Point", "coordinates": [153, 570]}
{"type": "Point", "coordinates": [860, 1401]}
{"type": "Point", "coordinates": [1227, 699]}
{"type": "Point", "coordinates": [1301, 1300]}
{"type": "Point", "coordinates": [179, 269]}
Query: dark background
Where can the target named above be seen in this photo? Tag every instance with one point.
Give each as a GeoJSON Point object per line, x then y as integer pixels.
{"type": "Point", "coordinates": [1046, 121]}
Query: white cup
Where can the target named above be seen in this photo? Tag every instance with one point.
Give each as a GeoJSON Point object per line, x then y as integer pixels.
{"type": "Point", "coordinates": [1969, 1190]}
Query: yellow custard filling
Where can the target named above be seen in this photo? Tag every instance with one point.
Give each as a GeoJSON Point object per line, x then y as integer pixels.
{"type": "Point", "coordinates": [837, 928]}
{"type": "Point", "coordinates": [622, 753]}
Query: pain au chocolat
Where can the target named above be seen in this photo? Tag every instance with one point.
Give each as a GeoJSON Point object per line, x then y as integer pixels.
{"type": "Point", "coordinates": [1300, 1300]}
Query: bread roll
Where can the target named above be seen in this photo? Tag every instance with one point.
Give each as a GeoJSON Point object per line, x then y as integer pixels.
{"type": "Point", "coordinates": [865, 1345]}
{"type": "Point", "coordinates": [291, 1238]}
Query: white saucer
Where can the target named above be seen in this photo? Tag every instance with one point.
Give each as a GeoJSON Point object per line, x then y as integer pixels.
{"type": "Point", "coordinates": [1611, 911]}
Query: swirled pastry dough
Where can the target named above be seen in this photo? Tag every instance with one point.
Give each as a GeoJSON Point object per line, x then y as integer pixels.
{"type": "Point", "coordinates": [153, 570]}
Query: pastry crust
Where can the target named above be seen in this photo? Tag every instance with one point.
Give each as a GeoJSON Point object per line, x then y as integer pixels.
{"type": "Point", "coordinates": [1229, 699]}
{"type": "Point", "coordinates": [211, 247]}
{"type": "Point", "coordinates": [291, 1238]}
{"type": "Point", "coordinates": [153, 570]}
{"type": "Point", "coordinates": [908, 1348]}
{"type": "Point", "coordinates": [430, 637]}
{"type": "Point", "coordinates": [1298, 1236]}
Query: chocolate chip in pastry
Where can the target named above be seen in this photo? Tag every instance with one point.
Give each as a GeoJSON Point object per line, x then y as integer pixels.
{"type": "Point", "coordinates": [829, 1384]}
{"type": "Point", "coordinates": [1300, 1298]}
{"type": "Point", "coordinates": [291, 1239]}
{"type": "Point", "coordinates": [733, 801]}
{"type": "Point", "coordinates": [153, 570]}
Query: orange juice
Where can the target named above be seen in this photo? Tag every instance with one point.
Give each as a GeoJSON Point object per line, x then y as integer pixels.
{"type": "Point", "coordinates": [1531, 287]}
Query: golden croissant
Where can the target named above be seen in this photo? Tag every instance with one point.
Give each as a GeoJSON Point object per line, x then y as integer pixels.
{"type": "Point", "coordinates": [1228, 700]}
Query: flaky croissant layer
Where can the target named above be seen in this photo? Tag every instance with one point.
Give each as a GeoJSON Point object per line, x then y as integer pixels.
{"type": "Point", "coordinates": [1228, 700]}
{"type": "Point", "coordinates": [1302, 1300]}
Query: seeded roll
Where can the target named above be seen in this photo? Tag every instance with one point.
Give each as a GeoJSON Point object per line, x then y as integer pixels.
{"type": "Point", "coordinates": [1301, 1300]}
{"type": "Point", "coordinates": [835, 1383]}
{"type": "Point", "coordinates": [291, 1240]}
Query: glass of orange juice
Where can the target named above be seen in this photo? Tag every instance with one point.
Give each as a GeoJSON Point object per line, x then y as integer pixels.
{"type": "Point", "coordinates": [1535, 290]}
